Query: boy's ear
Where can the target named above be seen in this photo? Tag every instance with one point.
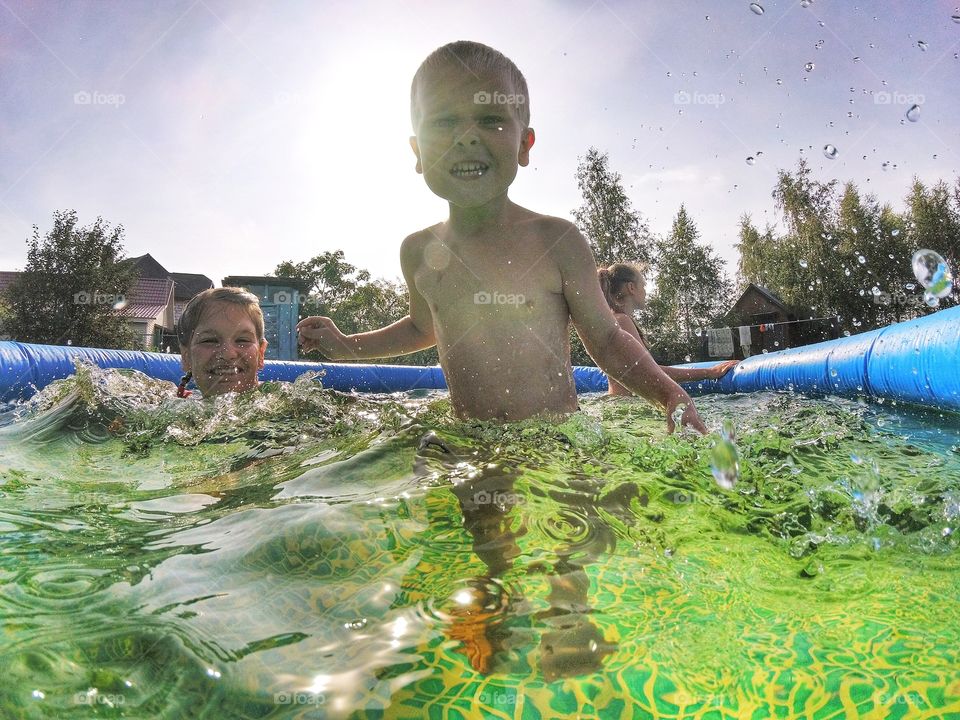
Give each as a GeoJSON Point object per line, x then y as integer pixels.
{"type": "Point", "coordinates": [261, 353]}
{"type": "Point", "coordinates": [526, 142]}
{"type": "Point", "coordinates": [416, 151]}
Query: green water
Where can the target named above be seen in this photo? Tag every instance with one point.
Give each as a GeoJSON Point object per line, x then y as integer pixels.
{"type": "Point", "coordinates": [297, 553]}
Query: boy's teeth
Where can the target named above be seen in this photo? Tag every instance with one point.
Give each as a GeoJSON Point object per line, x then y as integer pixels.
{"type": "Point", "coordinates": [469, 169]}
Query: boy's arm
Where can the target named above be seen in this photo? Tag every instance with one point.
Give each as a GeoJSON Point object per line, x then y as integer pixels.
{"type": "Point", "coordinates": [410, 334]}
{"type": "Point", "coordinates": [618, 354]}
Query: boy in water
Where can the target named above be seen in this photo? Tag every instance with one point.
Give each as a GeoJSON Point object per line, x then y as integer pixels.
{"type": "Point", "coordinates": [495, 285]}
{"type": "Point", "coordinates": [221, 341]}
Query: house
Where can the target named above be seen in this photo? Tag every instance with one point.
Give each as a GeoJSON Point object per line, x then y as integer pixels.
{"type": "Point", "coordinates": [185, 286]}
{"type": "Point", "coordinates": [149, 312]}
{"type": "Point", "coordinates": [763, 322]}
{"type": "Point", "coordinates": [280, 300]}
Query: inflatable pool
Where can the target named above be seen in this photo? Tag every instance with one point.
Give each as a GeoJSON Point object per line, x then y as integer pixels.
{"type": "Point", "coordinates": [913, 361]}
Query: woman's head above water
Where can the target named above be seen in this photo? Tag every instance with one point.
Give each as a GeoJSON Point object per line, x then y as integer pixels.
{"type": "Point", "coordinates": [623, 286]}
{"type": "Point", "coordinates": [221, 340]}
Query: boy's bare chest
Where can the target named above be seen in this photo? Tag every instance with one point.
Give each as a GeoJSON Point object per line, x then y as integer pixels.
{"type": "Point", "coordinates": [487, 274]}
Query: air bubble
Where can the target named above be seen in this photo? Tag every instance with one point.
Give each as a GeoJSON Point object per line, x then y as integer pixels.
{"type": "Point", "coordinates": [932, 271]}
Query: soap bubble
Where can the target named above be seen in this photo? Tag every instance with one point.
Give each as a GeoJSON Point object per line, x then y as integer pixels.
{"type": "Point", "coordinates": [932, 271]}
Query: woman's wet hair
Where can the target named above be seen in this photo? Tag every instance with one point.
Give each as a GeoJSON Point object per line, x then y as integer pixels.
{"type": "Point", "coordinates": [614, 278]}
{"type": "Point", "coordinates": [199, 303]}
{"type": "Point", "coordinates": [478, 59]}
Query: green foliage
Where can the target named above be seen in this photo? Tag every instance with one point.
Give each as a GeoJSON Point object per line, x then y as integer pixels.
{"type": "Point", "coordinates": [693, 292]}
{"type": "Point", "coordinates": [845, 254]}
{"type": "Point", "coordinates": [69, 265]}
{"type": "Point", "coordinates": [615, 230]}
{"type": "Point", "coordinates": [354, 301]}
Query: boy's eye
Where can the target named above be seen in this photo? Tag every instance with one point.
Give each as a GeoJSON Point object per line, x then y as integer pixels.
{"type": "Point", "coordinates": [444, 122]}
{"type": "Point", "coordinates": [491, 120]}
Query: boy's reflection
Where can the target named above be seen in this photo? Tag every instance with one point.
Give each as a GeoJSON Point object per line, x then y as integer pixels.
{"type": "Point", "coordinates": [495, 516]}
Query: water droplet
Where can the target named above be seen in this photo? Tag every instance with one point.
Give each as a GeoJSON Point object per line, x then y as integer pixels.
{"type": "Point", "coordinates": [757, 8]}
{"type": "Point", "coordinates": [922, 45]}
{"type": "Point", "coordinates": [861, 259]}
{"type": "Point", "coordinates": [751, 160]}
{"type": "Point", "coordinates": [830, 152]}
{"type": "Point", "coordinates": [955, 18]}
{"type": "Point", "coordinates": [875, 290]}
{"type": "Point", "coordinates": [779, 81]}
{"type": "Point", "coordinates": [856, 58]}
{"type": "Point", "coordinates": [806, 3]}
{"type": "Point", "coordinates": [809, 67]}
{"type": "Point", "coordinates": [931, 300]}
{"type": "Point", "coordinates": [357, 624]}
{"type": "Point", "coordinates": [913, 114]}
{"type": "Point", "coordinates": [706, 17]}
{"type": "Point", "coordinates": [885, 165]}
{"type": "Point", "coordinates": [846, 271]}
{"type": "Point", "coordinates": [803, 263]}
{"type": "Point", "coordinates": [895, 232]}
{"type": "Point", "coordinates": [932, 271]}
{"type": "Point", "coordinates": [724, 459]}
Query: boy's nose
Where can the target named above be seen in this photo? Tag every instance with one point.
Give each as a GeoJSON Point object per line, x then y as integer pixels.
{"type": "Point", "coordinates": [469, 136]}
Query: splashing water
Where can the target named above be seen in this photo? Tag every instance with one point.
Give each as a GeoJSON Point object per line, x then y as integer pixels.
{"type": "Point", "coordinates": [724, 459]}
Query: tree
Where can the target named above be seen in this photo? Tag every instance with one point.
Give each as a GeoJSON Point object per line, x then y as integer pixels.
{"type": "Point", "coordinates": [614, 230]}
{"type": "Point", "coordinates": [693, 291]}
{"type": "Point", "coordinates": [348, 296]}
{"type": "Point", "coordinates": [69, 287]}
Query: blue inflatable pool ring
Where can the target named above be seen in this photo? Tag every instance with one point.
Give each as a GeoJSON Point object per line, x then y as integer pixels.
{"type": "Point", "coordinates": [913, 361]}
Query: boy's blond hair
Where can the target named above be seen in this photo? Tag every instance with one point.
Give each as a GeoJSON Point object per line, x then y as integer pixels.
{"type": "Point", "coordinates": [200, 302]}
{"type": "Point", "coordinates": [478, 59]}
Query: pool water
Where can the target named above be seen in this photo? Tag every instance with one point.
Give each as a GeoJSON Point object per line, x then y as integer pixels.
{"type": "Point", "coordinates": [300, 553]}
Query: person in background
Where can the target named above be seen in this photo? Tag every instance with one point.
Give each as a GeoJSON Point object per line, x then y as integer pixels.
{"type": "Point", "coordinates": [221, 342]}
{"type": "Point", "coordinates": [623, 287]}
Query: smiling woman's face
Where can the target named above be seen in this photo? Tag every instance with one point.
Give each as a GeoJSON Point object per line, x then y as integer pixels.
{"type": "Point", "coordinates": [224, 354]}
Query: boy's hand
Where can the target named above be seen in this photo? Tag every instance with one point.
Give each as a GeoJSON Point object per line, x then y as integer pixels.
{"type": "Point", "coordinates": [718, 371]}
{"type": "Point", "coordinates": [321, 333]}
{"type": "Point", "coordinates": [690, 417]}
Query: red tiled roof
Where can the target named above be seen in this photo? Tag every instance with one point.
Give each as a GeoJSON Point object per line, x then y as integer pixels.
{"type": "Point", "coordinates": [150, 291]}
{"type": "Point", "coordinates": [6, 278]}
{"type": "Point", "coordinates": [141, 311]}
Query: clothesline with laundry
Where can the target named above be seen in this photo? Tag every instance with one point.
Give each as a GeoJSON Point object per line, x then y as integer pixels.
{"type": "Point", "coordinates": [720, 341]}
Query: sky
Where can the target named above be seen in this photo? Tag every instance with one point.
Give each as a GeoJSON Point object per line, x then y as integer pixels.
{"type": "Point", "coordinates": [227, 137]}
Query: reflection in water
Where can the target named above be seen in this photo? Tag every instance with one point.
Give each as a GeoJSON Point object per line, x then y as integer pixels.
{"type": "Point", "coordinates": [494, 513]}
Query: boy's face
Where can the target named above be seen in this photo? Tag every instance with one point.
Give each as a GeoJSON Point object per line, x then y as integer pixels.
{"type": "Point", "coordinates": [224, 355]}
{"type": "Point", "coordinates": [469, 139]}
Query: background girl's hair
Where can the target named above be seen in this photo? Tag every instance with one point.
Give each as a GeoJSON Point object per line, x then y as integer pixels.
{"type": "Point", "coordinates": [614, 278]}
{"type": "Point", "coordinates": [198, 303]}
